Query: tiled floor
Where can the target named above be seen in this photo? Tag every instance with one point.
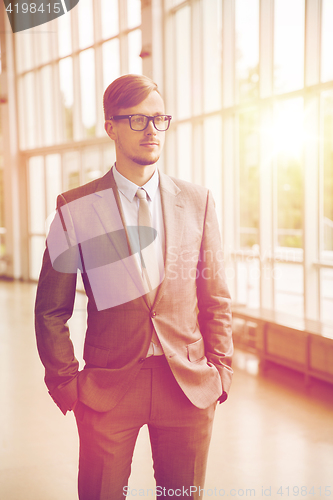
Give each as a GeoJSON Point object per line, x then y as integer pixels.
{"type": "Point", "coordinates": [271, 433]}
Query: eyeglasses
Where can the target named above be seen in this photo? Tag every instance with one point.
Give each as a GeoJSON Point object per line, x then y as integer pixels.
{"type": "Point", "coordinates": [140, 122]}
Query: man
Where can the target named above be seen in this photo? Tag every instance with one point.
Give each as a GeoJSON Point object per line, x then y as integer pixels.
{"type": "Point", "coordinates": [158, 342]}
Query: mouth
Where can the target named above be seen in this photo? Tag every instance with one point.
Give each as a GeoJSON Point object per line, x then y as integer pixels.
{"type": "Point", "coordinates": [149, 144]}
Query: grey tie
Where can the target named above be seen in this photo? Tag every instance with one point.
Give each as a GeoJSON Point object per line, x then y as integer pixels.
{"type": "Point", "coordinates": [149, 262]}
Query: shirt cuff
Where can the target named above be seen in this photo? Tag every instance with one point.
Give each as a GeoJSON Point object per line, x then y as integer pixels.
{"type": "Point", "coordinates": [223, 397]}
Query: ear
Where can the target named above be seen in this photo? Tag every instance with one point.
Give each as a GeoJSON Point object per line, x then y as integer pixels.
{"type": "Point", "coordinates": [109, 129]}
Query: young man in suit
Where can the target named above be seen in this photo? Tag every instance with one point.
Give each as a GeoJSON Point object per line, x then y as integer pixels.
{"type": "Point", "coordinates": [158, 343]}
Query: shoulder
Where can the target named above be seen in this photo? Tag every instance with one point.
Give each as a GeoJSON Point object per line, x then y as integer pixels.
{"type": "Point", "coordinates": [185, 188]}
{"type": "Point", "coordinates": [94, 186]}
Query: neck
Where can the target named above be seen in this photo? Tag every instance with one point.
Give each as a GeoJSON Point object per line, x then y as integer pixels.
{"type": "Point", "coordinates": [138, 174]}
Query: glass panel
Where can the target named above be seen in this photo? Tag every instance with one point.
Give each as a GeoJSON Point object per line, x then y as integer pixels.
{"type": "Point", "coordinates": [183, 62]}
{"type": "Point", "coordinates": [18, 54]}
{"type": "Point", "coordinates": [212, 53]}
{"type": "Point", "coordinates": [37, 247]}
{"type": "Point", "coordinates": [170, 150]}
{"type": "Point", "coordinates": [24, 51]}
{"type": "Point", "coordinates": [47, 97]}
{"type": "Point", "coordinates": [133, 13]}
{"type": "Point", "coordinates": [64, 35]}
{"type": "Point", "coordinates": [110, 26]}
{"type": "Point", "coordinates": [2, 212]}
{"type": "Point", "coordinates": [109, 156]}
{"type": "Point", "coordinates": [327, 41]}
{"type": "Point", "coordinates": [288, 45]}
{"type": "Point", "coordinates": [86, 19]}
{"type": "Point", "coordinates": [288, 281]}
{"type": "Point", "coordinates": [326, 292]}
{"type": "Point", "coordinates": [134, 50]}
{"type": "Point", "coordinates": [42, 45]}
{"type": "Point", "coordinates": [327, 190]}
{"type": "Point", "coordinates": [197, 152]}
{"type": "Point", "coordinates": [88, 93]}
{"type": "Point", "coordinates": [53, 181]}
{"type": "Point", "coordinates": [2, 204]}
{"type": "Point", "coordinates": [36, 195]}
{"type": "Point", "coordinates": [29, 106]}
{"type": "Point", "coordinates": [66, 89]}
{"type": "Point", "coordinates": [248, 288]}
{"type": "Point", "coordinates": [213, 160]}
{"type": "Point", "coordinates": [184, 151]}
{"type": "Point", "coordinates": [288, 137]}
{"type": "Point", "coordinates": [91, 164]}
{"type": "Point", "coordinates": [111, 61]}
{"type": "Point", "coordinates": [3, 263]}
{"type": "Point", "coordinates": [174, 3]}
{"type": "Point", "coordinates": [71, 169]}
{"type": "Point", "coordinates": [248, 179]}
{"type": "Point", "coordinates": [23, 113]}
{"type": "Point", "coordinates": [247, 49]}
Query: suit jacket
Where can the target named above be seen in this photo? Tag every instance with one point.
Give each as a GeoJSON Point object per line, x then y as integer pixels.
{"type": "Point", "coordinates": [191, 312]}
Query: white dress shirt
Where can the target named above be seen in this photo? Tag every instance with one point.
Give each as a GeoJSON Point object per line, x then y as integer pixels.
{"type": "Point", "coordinates": [130, 206]}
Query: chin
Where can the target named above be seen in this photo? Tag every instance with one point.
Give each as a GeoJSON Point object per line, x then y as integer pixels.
{"type": "Point", "coordinates": [146, 161]}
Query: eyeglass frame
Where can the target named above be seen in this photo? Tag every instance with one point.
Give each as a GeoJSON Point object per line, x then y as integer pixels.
{"type": "Point", "coordinates": [150, 118]}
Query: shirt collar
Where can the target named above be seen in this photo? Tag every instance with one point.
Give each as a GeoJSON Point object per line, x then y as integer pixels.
{"type": "Point", "coordinates": [129, 189]}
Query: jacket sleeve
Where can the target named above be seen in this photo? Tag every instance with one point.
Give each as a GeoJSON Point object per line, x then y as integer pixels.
{"type": "Point", "coordinates": [214, 301]}
{"type": "Point", "coordinates": [54, 306]}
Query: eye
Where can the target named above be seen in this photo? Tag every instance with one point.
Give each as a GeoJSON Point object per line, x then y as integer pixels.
{"type": "Point", "coordinates": [138, 119]}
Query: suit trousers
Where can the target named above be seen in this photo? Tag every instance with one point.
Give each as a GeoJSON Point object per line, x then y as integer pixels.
{"type": "Point", "coordinates": [179, 432]}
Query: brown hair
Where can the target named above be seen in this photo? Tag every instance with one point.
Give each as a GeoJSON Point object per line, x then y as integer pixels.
{"type": "Point", "coordinates": [125, 92]}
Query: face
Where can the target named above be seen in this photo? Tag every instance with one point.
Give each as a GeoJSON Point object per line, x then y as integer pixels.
{"type": "Point", "coordinates": [138, 148]}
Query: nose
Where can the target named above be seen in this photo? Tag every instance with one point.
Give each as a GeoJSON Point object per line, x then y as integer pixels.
{"type": "Point", "coordinates": [150, 130]}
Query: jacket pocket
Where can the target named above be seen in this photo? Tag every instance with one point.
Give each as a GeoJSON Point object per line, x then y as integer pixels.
{"type": "Point", "coordinates": [196, 350]}
{"type": "Point", "coordinates": [96, 355]}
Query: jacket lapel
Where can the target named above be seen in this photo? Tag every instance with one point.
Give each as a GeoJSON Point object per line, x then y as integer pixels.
{"type": "Point", "coordinates": [173, 216]}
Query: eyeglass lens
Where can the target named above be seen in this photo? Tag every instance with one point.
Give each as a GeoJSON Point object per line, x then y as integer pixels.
{"type": "Point", "coordinates": [140, 122]}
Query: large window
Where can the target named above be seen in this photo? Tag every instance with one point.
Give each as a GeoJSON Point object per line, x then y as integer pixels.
{"type": "Point", "coordinates": [250, 86]}
{"type": "Point", "coordinates": [49, 175]}
{"type": "Point", "coordinates": [62, 73]}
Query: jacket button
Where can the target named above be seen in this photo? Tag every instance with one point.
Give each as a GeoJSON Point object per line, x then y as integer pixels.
{"type": "Point", "coordinates": [153, 314]}
{"type": "Point", "coordinates": [141, 360]}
